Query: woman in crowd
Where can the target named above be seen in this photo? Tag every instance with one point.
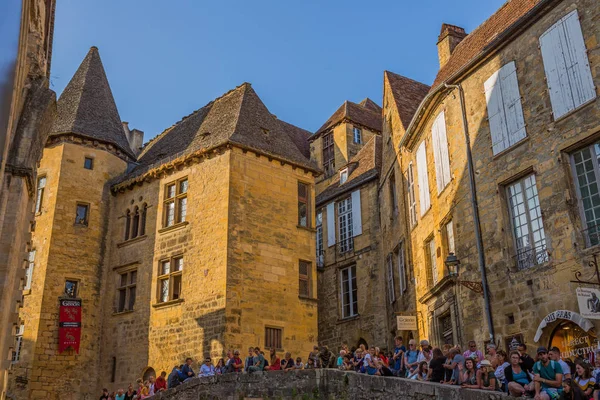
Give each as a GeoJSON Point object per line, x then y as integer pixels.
{"type": "Point", "coordinates": [487, 380]}
{"type": "Point", "coordinates": [275, 362]}
{"type": "Point", "coordinates": [299, 364]}
{"type": "Point", "coordinates": [358, 361]}
{"type": "Point", "coordinates": [220, 368]}
{"type": "Point", "coordinates": [469, 374]}
{"type": "Point", "coordinates": [584, 379]}
{"type": "Point", "coordinates": [370, 362]}
{"type": "Point", "coordinates": [502, 363]}
{"type": "Point", "coordinates": [310, 364]}
{"type": "Point", "coordinates": [518, 380]}
{"type": "Point", "coordinates": [422, 371]}
{"type": "Point", "coordinates": [571, 391]}
{"type": "Point", "coordinates": [436, 366]}
{"type": "Point", "coordinates": [288, 362]}
{"type": "Point", "coordinates": [207, 369]}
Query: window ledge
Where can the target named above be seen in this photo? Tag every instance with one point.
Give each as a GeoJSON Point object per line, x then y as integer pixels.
{"type": "Point", "coordinates": [80, 225]}
{"type": "Point", "coordinates": [131, 241]}
{"type": "Point", "coordinates": [26, 292]}
{"type": "Point", "coordinates": [437, 288]}
{"type": "Point", "coordinates": [123, 312]}
{"type": "Point", "coordinates": [310, 299]}
{"type": "Point", "coordinates": [167, 303]}
{"type": "Point", "coordinates": [37, 214]}
{"type": "Point", "coordinates": [348, 319]}
{"type": "Point", "coordinates": [573, 111]}
{"type": "Point", "coordinates": [510, 148]}
{"type": "Point", "coordinates": [174, 227]}
{"type": "Point", "coordinates": [306, 228]}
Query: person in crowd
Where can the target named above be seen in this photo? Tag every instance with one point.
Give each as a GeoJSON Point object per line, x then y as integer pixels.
{"type": "Point", "coordinates": [491, 354]}
{"type": "Point", "coordinates": [358, 361]}
{"type": "Point", "coordinates": [584, 379]}
{"type": "Point", "coordinates": [397, 363]}
{"type": "Point", "coordinates": [275, 364]}
{"type": "Point", "coordinates": [151, 388]}
{"type": "Point", "coordinates": [131, 393]}
{"type": "Point", "coordinates": [236, 364]}
{"type": "Point", "coordinates": [455, 359]}
{"type": "Point", "coordinates": [370, 362]}
{"type": "Point", "coordinates": [422, 371]}
{"type": "Point", "coordinates": [469, 374]}
{"type": "Point", "coordinates": [120, 395]}
{"type": "Point", "coordinates": [486, 379]}
{"type": "Point", "coordinates": [298, 364]}
{"type": "Point", "coordinates": [596, 372]}
{"type": "Point", "coordinates": [187, 370]}
{"type": "Point", "coordinates": [571, 391]}
{"type": "Point", "coordinates": [517, 378]}
{"type": "Point", "coordinates": [266, 361]}
{"type": "Point", "coordinates": [436, 366]}
{"type": "Point", "coordinates": [547, 377]}
{"type": "Point", "coordinates": [221, 368]}
{"type": "Point", "coordinates": [258, 363]}
{"type": "Point", "coordinates": [472, 351]}
{"type": "Point", "coordinates": [207, 369]}
{"type": "Point", "coordinates": [104, 395]}
{"type": "Point", "coordinates": [314, 355]}
{"type": "Point", "coordinates": [287, 364]}
{"type": "Point", "coordinates": [446, 349]}
{"type": "Point", "coordinates": [173, 379]}
{"type": "Point", "coordinates": [310, 364]}
{"type": "Point", "coordinates": [383, 363]}
{"type": "Point", "coordinates": [501, 364]}
{"type": "Point", "coordinates": [340, 359]}
{"type": "Point", "coordinates": [554, 354]}
{"type": "Point", "coordinates": [410, 358]}
{"type": "Point", "coordinates": [143, 389]}
{"type": "Point", "coordinates": [249, 359]}
{"type": "Point", "coordinates": [326, 358]}
{"type": "Point", "coordinates": [425, 353]}
{"type": "Point", "coordinates": [526, 360]}
{"type": "Point", "coordinates": [161, 383]}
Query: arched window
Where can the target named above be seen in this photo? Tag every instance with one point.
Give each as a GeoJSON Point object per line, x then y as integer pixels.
{"type": "Point", "coordinates": [148, 372]}
{"type": "Point", "coordinates": [136, 222]}
{"type": "Point", "coordinates": [127, 224]}
{"type": "Point", "coordinates": [143, 221]}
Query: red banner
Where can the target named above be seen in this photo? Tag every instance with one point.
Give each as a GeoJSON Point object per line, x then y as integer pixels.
{"type": "Point", "coordinates": [69, 325]}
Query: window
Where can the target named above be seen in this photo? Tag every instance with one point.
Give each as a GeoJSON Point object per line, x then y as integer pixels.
{"type": "Point", "coordinates": [71, 288]}
{"type": "Point", "coordinates": [88, 163]}
{"type": "Point", "coordinates": [41, 185]}
{"type": "Point", "coordinates": [143, 220]}
{"type": "Point", "coordinates": [586, 171]}
{"type": "Point", "coordinates": [345, 225]}
{"type": "Point", "coordinates": [527, 224]}
{"type": "Point", "coordinates": [343, 176]}
{"type": "Point", "coordinates": [349, 292]}
{"type": "Point", "coordinates": [328, 155]}
{"type": "Point", "coordinates": [303, 208]}
{"type": "Point", "coordinates": [136, 222]}
{"type": "Point", "coordinates": [81, 214]}
{"type": "Point", "coordinates": [169, 279]}
{"type": "Point", "coordinates": [401, 268]}
{"type": "Point", "coordinates": [357, 135]}
{"type": "Point", "coordinates": [126, 291]}
{"type": "Point", "coordinates": [448, 233]}
{"type": "Point", "coordinates": [430, 257]}
{"type": "Point", "coordinates": [445, 323]}
{"type": "Point", "coordinates": [393, 198]}
{"type": "Point", "coordinates": [305, 279]}
{"type": "Point", "coordinates": [440, 152]}
{"type": "Point", "coordinates": [390, 279]}
{"type": "Point", "coordinates": [29, 269]}
{"type": "Point", "coordinates": [319, 237]}
{"type": "Point", "coordinates": [412, 202]}
{"type": "Point", "coordinates": [127, 224]}
{"type": "Point", "coordinates": [505, 111]}
{"type": "Point", "coordinates": [175, 202]}
{"type": "Point", "coordinates": [566, 65]}
{"type": "Point", "coordinates": [273, 338]}
{"type": "Point", "coordinates": [16, 355]}
{"type": "Point", "coordinates": [424, 200]}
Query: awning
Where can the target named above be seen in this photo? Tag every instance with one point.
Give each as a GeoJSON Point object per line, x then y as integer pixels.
{"type": "Point", "coordinates": [584, 323]}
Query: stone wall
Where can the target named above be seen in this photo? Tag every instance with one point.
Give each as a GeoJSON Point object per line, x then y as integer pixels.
{"type": "Point", "coordinates": [318, 384]}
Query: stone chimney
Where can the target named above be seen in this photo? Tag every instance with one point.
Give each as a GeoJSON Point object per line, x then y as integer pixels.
{"type": "Point", "coordinates": [135, 137]}
{"type": "Point", "coordinates": [450, 37]}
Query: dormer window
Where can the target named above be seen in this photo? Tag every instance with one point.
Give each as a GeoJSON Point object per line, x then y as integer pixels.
{"type": "Point", "coordinates": [343, 176]}
{"type": "Point", "coordinates": [357, 135]}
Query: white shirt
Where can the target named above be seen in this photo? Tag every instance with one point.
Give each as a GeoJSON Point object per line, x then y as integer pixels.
{"type": "Point", "coordinates": [565, 367]}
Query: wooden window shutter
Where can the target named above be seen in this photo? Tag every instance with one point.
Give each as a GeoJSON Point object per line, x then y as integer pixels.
{"type": "Point", "coordinates": [356, 214]}
{"type": "Point", "coordinates": [331, 224]}
{"type": "Point", "coordinates": [422, 179]}
{"type": "Point", "coordinates": [440, 152]}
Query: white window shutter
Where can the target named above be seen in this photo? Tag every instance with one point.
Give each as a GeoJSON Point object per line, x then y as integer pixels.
{"type": "Point", "coordinates": [440, 152]}
{"type": "Point", "coordinates": [580, 76]}
{"type": "Point", "coordinates": [493, 98]}
{"type": "Point", "coordinates": [511, 99]}
{"type": "Point", "coordinates": [330, 224]}
{"type": "Point", "coordinates": [356, 214]}
{"type": "Point", "coordinates": [423, 180]}
{"type": "Point", "coordinates": [435, 140]}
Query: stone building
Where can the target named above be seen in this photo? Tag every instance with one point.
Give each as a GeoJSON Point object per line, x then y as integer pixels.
{"type": "Point", "coordinates": [200, 242]}
{"type": "Point", "coordinates": [27, 106]}
{"type": "Point", "coordinates": [532, 128]}
{"type": "Point", "coordinates": [352, 294]}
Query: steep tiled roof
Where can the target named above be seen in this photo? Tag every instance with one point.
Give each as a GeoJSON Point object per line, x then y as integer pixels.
{"type": "Point", "coordinates": [407, 94]}
{"type": "Point", "coordinates": [299, 136]}
{"type": "Point", "coordinates": [363, 167]}
{"type": "Point", "coordinates": [87, 106]}
{"type": "Point", "coordinates": [482, 36]}
{"type": "Point", "coordinates": [367, 114]}
{"type": "Point", "coordinates": [237, 117]}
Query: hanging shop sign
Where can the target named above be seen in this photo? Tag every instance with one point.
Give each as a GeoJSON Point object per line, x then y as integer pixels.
{"type": "Point", "coordinates": [572, 316]}
{"type": "Point", "coordinates": [69, 325]}
{"type": "Point", "coordinates": [406, 323]}
{"type": "Point", "coordinates": [589, 302]}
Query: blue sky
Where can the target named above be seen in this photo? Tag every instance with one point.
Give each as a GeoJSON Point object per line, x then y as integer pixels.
{"type": "Point", "coordinates": [165, 59]}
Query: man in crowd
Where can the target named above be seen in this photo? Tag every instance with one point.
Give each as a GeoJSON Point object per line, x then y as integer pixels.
{"type": "Point", "coordinates": [454, 365]}
{"type": "Point", "coordinates": [258, 362]}
{"type": "Point", "coordinates": [554, 355]}
{"type": "Point", "coordinates": [314, 356]}
{"type": "Point", "coordinates": [326, 358]}
{"type": "Point", "coordinates": [547, 377]}
{"type": "Point", "coordinates": [236, 364]}
{"type": "Point", "coordinates": [105, 394]}
{"type": "Point", "coordinates": [161, 383]}
{"type": "Point", "coordinates": [491, 355]}
{"type": "Point", "coordinates": [526, 360]}
{"type": "Point", "coordinates": [396, 363]}
{"type": "Point", "coordinates": [174, 377]}
{"type": "Point", "coordinates": [473, 353]}
{"type": "Point", "coordinates": [187, 370]}
{"type": "Point", "coordinates": [411, 356]}
{"type": "Point", "coordinates": [425, 353]}
{"type": "Point", "coordinates": [250, 359]}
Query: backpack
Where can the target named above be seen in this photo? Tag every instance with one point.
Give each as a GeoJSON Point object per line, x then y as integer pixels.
{"type": "Point", "coordinates": [552, 364]}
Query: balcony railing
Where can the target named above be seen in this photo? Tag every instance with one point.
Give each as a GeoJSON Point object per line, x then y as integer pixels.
{"type": "Point", "coordinates": [591, 235]}
{"type": "Point", "coordinates": [346, 245]}
{"type": "Point", "coordinates": [531, 256]}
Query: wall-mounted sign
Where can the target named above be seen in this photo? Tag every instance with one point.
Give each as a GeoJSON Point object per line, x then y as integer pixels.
{"type": "Point", "coordinates": [69, 325]}
{"type": "Point", "coordinates": [554, 316]}
{"type": "Point", "coordinates": [406, 323]}
{"type": "Point", "coordinates": [589, 302]}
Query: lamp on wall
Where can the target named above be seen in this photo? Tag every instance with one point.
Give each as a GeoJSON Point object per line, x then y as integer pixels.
{"type": "Point", "coordinates": [452, 262]}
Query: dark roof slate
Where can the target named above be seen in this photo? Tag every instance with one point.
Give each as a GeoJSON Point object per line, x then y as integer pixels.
{"type": "Point", "coordinates": [362, 168]}
{"type": "Point", "coordinates": [367, 114]}
{"type": "Point", "coordinates": [87, 106]}
{"type": "Point", "coordinates": [407, 95]}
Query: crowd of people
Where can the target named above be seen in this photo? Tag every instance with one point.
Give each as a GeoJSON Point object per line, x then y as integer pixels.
{"type": "Point", "coordinates": [546, 376]}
